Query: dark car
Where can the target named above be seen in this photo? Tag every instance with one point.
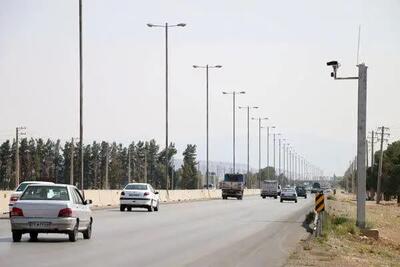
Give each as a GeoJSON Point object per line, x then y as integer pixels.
{"type": "Point", "coordinates": [301, 191]}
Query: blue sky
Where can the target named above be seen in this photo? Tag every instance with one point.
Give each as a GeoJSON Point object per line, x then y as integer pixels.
{"type": "Point", "coordinates": [274, 50]}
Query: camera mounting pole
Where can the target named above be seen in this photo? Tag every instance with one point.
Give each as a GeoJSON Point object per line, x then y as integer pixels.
{"type": "Point", "coordinates": [361, 135]}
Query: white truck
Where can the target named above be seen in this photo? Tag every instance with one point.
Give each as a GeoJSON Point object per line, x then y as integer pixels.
{"type": "Point", "coordinates": [232, 186]}
{"type": "Point", "coordinates": [269, 188]}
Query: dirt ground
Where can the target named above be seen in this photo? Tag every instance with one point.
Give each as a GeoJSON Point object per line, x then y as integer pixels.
{"type": "Point", "coordinates": [344, 245]}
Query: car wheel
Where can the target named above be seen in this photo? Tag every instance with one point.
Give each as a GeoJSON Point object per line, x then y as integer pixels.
{"type": "Point", "coordinates": [122, 208]}
{"type": "Point", "coordinates": [295, 201]}
{"type": "Point", "coordinates": [150, 208]}
{"type": "Point", "coordinates": [224, 197]}
{"type": "Point", "coordinates": [305, 196]}
{"type": "Point", "coordinates": [16, 235]}
{"type": "Point", "coordinates": [281, 200]}
{"type": "Point", "coordinates": [129, 208]}
{"type": "Point", "coordinates": [87, 234]}
{"type": "Point", "coordinates": [74, 233]}
{"type": "Point", "coordinates": [275, 197]}
{"type": "Point", "coordinates": [263, 197]}
{"type": "Point", "coordinates": [33, 237]}
{"type": "Point", "coordinates": [158, 206]}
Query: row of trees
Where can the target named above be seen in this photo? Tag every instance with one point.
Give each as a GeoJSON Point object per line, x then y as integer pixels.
{"type": "Point", "coordinates": [106, 165]}
{"type": "Point", "coordinates": [390, 173]}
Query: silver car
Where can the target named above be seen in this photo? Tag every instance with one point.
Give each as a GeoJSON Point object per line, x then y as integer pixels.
{"type": "Point", "coordinates": [51, 209]}
{"type": "Point", "coordinates": [289, 194]}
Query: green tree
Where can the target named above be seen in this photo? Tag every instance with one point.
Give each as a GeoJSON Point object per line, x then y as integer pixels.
{"type": "Point", "coordinates": [189, 175]}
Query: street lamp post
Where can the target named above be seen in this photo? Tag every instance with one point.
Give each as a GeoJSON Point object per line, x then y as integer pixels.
{"type": "Point", "coordinates": [268, 127]}
{"type": "Point", "coordinates": [361, 135]}
{"type": "Point", "coordinates": [80, 92]}
{"type": "Point", "coordinates": [279, 155]}
{"type": "Point", "coordinates": [259, 148]}
{"type": "Point", "coordinates": [207, 67]}
{"type": "Point", "coordinates": [275, 134]}
{"type": "Point", "coordinates": [248, 136]}
{"type": "Point", "coordinates": [234, 93]}
{"type": "Point", "coordinates": [166, 27]}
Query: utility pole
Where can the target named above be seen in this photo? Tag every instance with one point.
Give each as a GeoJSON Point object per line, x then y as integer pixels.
{"type": "Point", "coordinates": [129, 164]}
{"type": "Point", "coordinates": [379, 184]}
{"type": "Point", "coordinates": [17, 167]}
{"type": "Point", "coordinates": [107, 186]}
{"type": "Point", "coordinates": [353, 180]}
{"type": "Point", "coordinates": [274, 156]}
{"type": "Point", "coordinates": [145, 168]}
{"type": "Point", "coordinates": [71, 170]}
{"type": "Point", "coordinates": [361, 135]}
{"type": "Point", "coordinates": [80, 93]}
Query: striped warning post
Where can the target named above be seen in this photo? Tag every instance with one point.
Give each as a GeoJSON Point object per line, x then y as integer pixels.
{"type": "Point", "coordinates": [319, 202]}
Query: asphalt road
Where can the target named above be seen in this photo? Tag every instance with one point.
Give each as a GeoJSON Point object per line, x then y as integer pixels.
{"type": "Point", "coordinates": [251, 232]}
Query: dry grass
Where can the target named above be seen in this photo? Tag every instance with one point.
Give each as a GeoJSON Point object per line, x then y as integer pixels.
{"type": "Point", "coordinates": [342, 243]}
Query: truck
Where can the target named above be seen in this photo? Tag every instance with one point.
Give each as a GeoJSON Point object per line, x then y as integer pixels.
{"type": "Point", "coordinates": [232, 186]}
{"type": "Point", "coordinates": [316, 188]}
{"type": "Point", "coordinates": [269, 188]}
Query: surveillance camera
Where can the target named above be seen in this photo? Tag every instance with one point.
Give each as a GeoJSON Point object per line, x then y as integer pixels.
{"type": "Point", "coordinates": [333, 63]}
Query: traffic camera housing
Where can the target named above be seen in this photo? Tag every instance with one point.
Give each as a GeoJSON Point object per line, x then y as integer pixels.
{"type": "Point", "coordinates": [335, 65]}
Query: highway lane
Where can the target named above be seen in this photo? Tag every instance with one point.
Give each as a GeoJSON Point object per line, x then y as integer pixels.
{"type": "Point", "coordinates": [251, 232]}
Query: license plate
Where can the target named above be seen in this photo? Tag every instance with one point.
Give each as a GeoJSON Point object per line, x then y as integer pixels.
{"type": "Point", "coordinates": [134, 195]}
{"type": "Point", "coordinates": [39, 224]}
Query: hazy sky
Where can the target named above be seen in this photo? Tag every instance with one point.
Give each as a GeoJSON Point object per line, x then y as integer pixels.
{"type": "Point", "coordinates": [276, 51]}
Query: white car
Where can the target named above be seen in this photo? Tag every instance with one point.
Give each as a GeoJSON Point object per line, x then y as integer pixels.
{"type": "Point", "coordinates": [20, 189]}
{"type": "Point", "coordinates": [53, 208]}
{"type": "Point", "coordinates": [139, 195]}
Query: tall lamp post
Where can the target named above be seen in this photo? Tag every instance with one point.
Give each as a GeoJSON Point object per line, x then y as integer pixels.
{"type": "Point", "coordinates": [80, 93]}
{"type": "Point", "coordinates": [275, 135]}
{"type": "Point", "coordinates": [248, 136]}
{"type": "Point", "coordinates": [207, 67]}
{"type": "Point", "coordinates": [259, 119]}
{"type": "Point", "coordinates": [234, 93]}
{"type": "Point", "coordinates": [268, 128]}
{"type": "Point", "coordinates": [166, 26]}
{"type": "Point", "coordinates": [361, 135]}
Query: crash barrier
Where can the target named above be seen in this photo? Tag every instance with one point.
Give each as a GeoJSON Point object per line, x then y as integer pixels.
{"type": "Point", "coordinates": [105, 198]}
{"type": "Point", "coordinates": [4, 198]}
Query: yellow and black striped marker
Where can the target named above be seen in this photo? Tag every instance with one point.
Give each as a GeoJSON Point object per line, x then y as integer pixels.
{"type": "Point", "coordinates": [319, 202]}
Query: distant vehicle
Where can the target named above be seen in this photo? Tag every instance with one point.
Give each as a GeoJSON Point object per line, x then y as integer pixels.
{"type": "Point", "coordinates": [301, 191]}
{"type": "Point", "coordinates": [232, 186]}
{"type": "Point", "coordinates": [315, 188]}
{"type": "Point", "coordinates": [139, 195]}
{"type": "Point", "coordinates": [269, 188]}
{"type": "Point", "coordinates": [20, 189]}
{"type": "Point", "coordinates": [289, 194]}
{"type": "Point", "coordinates": [52, 208]}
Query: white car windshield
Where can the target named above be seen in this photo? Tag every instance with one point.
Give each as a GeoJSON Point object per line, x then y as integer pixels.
{"type": "Point", "coordinates": [136, 187]}
{"type": "Point", "coordinates": [46, 193]}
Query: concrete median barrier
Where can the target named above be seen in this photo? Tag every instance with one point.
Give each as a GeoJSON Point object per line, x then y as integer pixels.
{"type": "Point", "coordinates": [107, 198]}
{"type": "Point", "coordinates": [4, 199]}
